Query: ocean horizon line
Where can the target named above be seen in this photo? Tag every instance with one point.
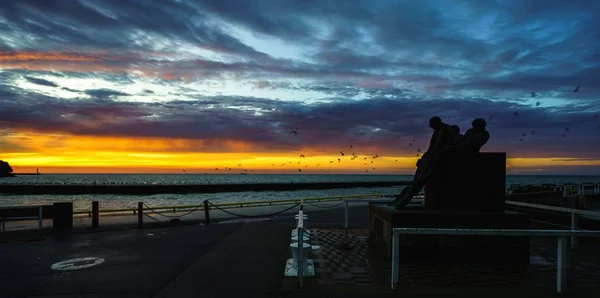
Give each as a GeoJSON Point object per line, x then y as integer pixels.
{"type": "Point", "coordinates": [289, 174]}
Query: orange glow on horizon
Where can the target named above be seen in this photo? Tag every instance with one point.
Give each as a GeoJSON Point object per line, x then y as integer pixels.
{"type": "Point", "coordinates": [57, 153]}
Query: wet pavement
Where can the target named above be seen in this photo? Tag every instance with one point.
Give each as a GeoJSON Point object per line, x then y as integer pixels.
{"type": "Point", "coordinates": [236, 258]}
{"type": "Point", "coordinates": [137, 263]}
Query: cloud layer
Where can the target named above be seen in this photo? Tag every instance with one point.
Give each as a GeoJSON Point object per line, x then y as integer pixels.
{"type": "Point", "coordinates": [369, 73]}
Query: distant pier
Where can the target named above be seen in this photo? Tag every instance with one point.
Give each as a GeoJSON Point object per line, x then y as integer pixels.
{"type": "Point", "coordinates": [149, 189]}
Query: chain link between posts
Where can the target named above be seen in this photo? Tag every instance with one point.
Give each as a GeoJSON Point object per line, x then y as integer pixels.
{"type": "Point", "coordinates": [253, 216]}
{"type": "Point", "coordinates": [324, 207]}
{"type": "Point", "coordinates": [170, 216]}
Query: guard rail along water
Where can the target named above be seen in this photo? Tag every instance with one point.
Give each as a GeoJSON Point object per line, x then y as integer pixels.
{"type": "Point", "coordinates": [575, 213]}
{"type": "Point", "coordinates": [232, 205]}
{"type": "Point", "coordinates": [562, 251]}
{"type": "Point", "coordinates": [207, 206]}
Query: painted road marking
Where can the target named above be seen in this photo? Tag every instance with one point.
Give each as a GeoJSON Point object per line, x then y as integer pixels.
{"type": "Point", "coordinates": [77, 264]}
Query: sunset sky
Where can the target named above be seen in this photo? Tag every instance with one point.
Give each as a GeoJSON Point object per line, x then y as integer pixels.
{"type": "Point", "coordinates": [172, 85]}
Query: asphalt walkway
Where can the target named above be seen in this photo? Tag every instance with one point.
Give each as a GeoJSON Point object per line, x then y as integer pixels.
{"type": "Point", "coordinates": [235, 258]}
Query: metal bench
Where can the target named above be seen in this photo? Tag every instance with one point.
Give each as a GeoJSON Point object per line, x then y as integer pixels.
{"type": "Point", "coordinates": [39, 217]}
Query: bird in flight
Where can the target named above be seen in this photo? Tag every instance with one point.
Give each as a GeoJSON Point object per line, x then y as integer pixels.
{"type": "Point", "coordinates": [537, 104]}
{"type": "Point", "coordinates": [576, 88]}
{"type": "Point", "coordinates": [341, 153]}
{"type": "Point", "coordinates": [294, 132]}
{"type": "Point", "coordinates": [516, 114]}
{"type": "Point", "coordinates": [301, 155]}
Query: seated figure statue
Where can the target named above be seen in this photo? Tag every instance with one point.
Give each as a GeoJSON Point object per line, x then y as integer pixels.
{"type": "Point", "coordinates": [472, 141]}
{"type": "Point", "coordinates": [465, 147]}
{"type": "Point", "coordinates": [442, 137]}
{"type": "Point", "coordinates": [457, 135]}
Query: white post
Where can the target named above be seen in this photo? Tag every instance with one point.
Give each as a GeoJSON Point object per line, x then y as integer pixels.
{"type": "Point", "coordinates": [573, 228]}
{"type": "Point", "coordinates": [40, 216]}
{"type": "Point", "coordinates": [395, 257]}
{"type": "Point", "coordinates": [346, 214]}
{"type": "Point", "coordinates": [300, 255]}
{"type": "Point", "coordinates": [561, 264]}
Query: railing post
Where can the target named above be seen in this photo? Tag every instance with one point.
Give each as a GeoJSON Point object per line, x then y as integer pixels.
{"type": "Point", "coordinates": [395, 257]}
{"type": "Point", "coordinates": [40, 215]}
{"type": "Point", "coordinates": [561, 264]}
{"type": "Point", "coordinates": [573, 228]}
{"type": "Point", "coordinates": [95, 210]}
{"type": "Point", "coordinates": [346, 214]}
{"type": "Point", "coordinates": [300, 255]}
{"type": "Point", "coordinates": [140, 214]}
{"type": "Point", "coordinates": [206, 212]}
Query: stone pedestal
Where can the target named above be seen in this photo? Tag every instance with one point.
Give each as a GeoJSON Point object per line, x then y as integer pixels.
{"type": "Point", "coordinates": [421, 248]}
{"type": "Point", "coordinates": [468, 184]}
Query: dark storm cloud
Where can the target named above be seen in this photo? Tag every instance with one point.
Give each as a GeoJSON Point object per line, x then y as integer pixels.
{"type": "Point", "coordinates": [104, 93]}
{"type": "Point", "coordinates": [386, 124]}
{"type": "Point", "coordinates": [42, 82]}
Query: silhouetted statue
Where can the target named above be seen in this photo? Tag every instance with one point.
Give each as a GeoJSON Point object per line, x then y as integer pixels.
{"type": "Point", "coordinates": [5, 169]}
{"type": "Point", "coordinates": [467, 146]}
{"type": "Point", "coordinates": [457, 135]}
{"type": "Point", "coordinates": [473, 140]}
{"type": "Point", "coordinates": [442, 136]}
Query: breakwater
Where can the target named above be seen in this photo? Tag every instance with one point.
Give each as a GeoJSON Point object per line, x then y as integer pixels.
{"type": "Point", "coordinates": [74, 189]}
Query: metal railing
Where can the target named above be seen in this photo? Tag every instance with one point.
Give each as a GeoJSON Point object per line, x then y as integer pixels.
{"type": "Point", "coordinates": [567, 190]}
{"type": "Point", "coordinates": [39, 217]}
{"type": "Point", "coordinates": [233, 205]}
{"type": "Point", "coordinates": [575, 213]}
{"type": "Point", "coordinates": [561, 266]}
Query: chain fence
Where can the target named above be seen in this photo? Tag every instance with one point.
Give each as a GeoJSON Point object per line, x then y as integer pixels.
{"type": "Point", "coordinates": [324, 207]}
{"type": "Point", "coordinates": [256, 215]}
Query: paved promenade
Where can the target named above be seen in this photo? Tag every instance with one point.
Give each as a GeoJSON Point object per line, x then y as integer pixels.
{"type": "Point", "coordinates": [233, 258]}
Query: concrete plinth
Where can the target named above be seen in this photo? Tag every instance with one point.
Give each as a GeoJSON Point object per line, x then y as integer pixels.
{"type": "Point", "coordinates": [449, 248]}
{"type": "Point", "coordinates": [475, 183]}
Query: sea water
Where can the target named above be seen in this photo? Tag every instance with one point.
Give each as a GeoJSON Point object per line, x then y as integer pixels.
{"type": "Point", "coordinates": [84, 202]}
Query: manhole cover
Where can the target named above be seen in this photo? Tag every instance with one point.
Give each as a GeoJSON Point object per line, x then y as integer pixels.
{"type": "Point", "coordinates": [77, 264]}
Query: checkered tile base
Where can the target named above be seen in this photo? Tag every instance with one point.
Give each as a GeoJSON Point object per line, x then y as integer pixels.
{"type": "Point", "coordinates": [334, 266]}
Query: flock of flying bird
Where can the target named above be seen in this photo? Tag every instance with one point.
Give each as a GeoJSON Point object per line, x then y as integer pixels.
{"type": "Point", "coordinates": [537, 104]}
{"type": "Point", "coordinates": [299, 162]}
{"type": "Point", "coordinates": [369, 161]}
